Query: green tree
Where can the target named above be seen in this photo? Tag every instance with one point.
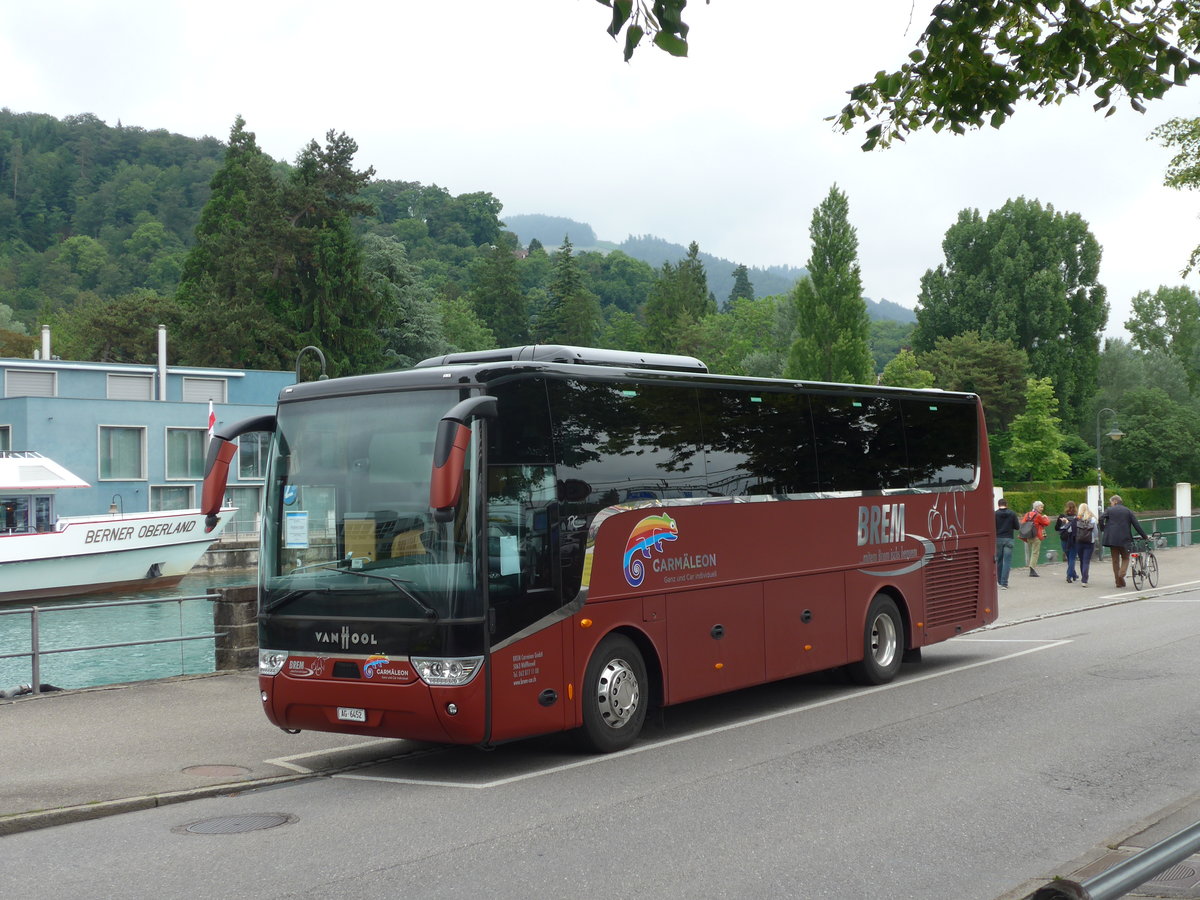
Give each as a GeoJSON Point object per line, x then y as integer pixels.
{"type": "Point", "coordinates": [975, 62]}
{"type": "Point", "coordinates": [1183, 172]}
{"type": "Point", "coordinates": [622, 331]}
{"type": "Point", "coordinates": [1161, 444]}
{"type": "Point", "coordinates": [1036, 452]}
{"type": "Point", "coordinates": [465, 330]}
{"type": "Point", "coordinates": [742, 288]}
{"type": "Point", "coordinates": [411, 328]}
{"type": "Point", "coordinates": [326, 297]}
{"type": "Point", "coordinates": [571, 314]}
{"type": "Point", "coordinates": [123, 330]}
{"type": "Point", "coordinates": [904, 371]}
{"type": "Point", "coordinates": [995, 370]}
{"type": "Point", "coordinates": [230, 284]}
{"type": "Point", "coordinates": [677, 301]}
{"type": "Point", "coordinates": [1025, 274]}
{"type": "Point", "coordinates": [1169, 320]}
{"type": "Point", "coordinates": [744, 339]}
{"type": "Point", "coordinates": [831, 343]}
{"type": "Point", "coordinates": [498, 298]}
{"type": "Point", "coordinates": [616, 278]}
{"type": "Point", "coordinates": [888, 338]}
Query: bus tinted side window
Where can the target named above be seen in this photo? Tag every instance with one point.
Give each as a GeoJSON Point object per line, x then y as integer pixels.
{"type": "Point", "coordinates": [620, 442]}
{"type": "Point", "coordinates": [757, 442]}
{"type": "Point", "coordinates": [860, 443]}
{"type": "Point", "coordinates": [943, 442]}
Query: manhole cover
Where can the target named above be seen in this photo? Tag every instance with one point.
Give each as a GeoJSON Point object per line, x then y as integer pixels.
{"type": "Point", "coordinates": [216, 771]}
{"type": "Point", "coordinates": [1182, 873]}
{"type": "Point", "coordinates": [239, 824]}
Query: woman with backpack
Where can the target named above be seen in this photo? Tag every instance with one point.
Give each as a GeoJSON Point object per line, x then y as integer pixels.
{"type": "Point", "coordinates": [1033, 532]}
{"type": "Point", "coordinates": [1085, 540]}
{"type": "Point", "coordinates": [1065, 526]}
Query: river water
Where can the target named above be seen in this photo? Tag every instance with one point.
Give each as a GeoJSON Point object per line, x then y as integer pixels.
{"type": "Point", "coordinates": [118, 624]}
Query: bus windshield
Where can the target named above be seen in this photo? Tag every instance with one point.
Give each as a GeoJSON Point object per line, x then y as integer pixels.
{"type": "Point", "coordinates": [346, 524]}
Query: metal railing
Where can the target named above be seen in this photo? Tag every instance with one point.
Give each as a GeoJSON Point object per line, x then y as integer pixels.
{"type": "Point", "coordinates": [35, 652]}
{"type": "Point", "coordinates": [1127, 874]}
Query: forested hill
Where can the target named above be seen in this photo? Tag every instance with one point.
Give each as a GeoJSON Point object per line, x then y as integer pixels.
{"type": "Point", "coordinates": [768, 282]}
{"type": "Point", "coordinates": [106, 231]}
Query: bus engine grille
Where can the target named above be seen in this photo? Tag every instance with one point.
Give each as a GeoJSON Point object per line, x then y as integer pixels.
{"type": "Point", "coordinates": [952, 588]}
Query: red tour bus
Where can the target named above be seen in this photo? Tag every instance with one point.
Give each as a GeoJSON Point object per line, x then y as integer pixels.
{"type": "Point", "coordinates": [502, 544]}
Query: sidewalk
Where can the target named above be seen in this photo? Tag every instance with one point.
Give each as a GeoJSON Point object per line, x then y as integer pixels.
{"type": "Point", "coordinates": [88, 753]}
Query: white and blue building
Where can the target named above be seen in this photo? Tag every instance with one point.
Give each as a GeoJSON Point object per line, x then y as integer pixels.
{"type": "Point", "coordinates": [136, 433]}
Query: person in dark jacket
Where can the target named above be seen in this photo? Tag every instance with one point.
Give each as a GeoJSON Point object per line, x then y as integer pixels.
{"type": "Point", "coordinates": [1118, 524]}
{"type": "Point", "coordinates": [1006, 523]}
{"type": "Point", "coordinates": [1065, 526]}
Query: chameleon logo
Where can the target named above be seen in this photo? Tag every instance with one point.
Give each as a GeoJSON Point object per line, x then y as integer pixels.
{"type": "Point", "coordinates": [374, 662]}
{"type": "Point", "coordinates": [647, 535]}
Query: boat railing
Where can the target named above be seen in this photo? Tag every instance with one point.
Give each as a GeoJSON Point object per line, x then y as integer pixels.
{"type": "Point", "coordinates": [36, 652]}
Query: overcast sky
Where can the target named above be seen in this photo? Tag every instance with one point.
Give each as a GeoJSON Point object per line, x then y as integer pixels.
{"type": "Point", "coordinates": [530, 100]}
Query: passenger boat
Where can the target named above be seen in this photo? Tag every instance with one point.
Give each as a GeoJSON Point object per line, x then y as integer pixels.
{"type": "Point", "coordinates": [46, 556]}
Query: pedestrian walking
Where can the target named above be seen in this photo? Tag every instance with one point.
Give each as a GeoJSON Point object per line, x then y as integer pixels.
{"type": "Point", "coordinates": [1085, 540]}
{"type": "Point", "coordinates": [1033, 532]}
{"type": "Point", "coordinates": [1006, 523]}
{"type": "Point", "coordinates": [1118, 524]}
{"type": "Point", "coordinates": [1065, 526]}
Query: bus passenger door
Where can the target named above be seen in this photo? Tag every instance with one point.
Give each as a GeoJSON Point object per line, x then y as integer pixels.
{"type": "Point", "coordinates": [805, 624]}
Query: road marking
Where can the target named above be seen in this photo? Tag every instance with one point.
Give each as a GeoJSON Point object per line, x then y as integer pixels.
{"type": "Point", "coordinates": [720, 729]}
{"type": "Point", "coordinates": [285, 762]}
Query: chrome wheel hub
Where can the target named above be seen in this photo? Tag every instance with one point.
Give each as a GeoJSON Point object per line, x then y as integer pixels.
{"type": "Point", "coordinates": [617, 693]}
{"type": "Point", "coordinates": [884, 643]}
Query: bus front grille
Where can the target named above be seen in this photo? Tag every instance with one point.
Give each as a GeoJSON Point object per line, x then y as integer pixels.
{"type": "Point", "coordinates": [952, 588]}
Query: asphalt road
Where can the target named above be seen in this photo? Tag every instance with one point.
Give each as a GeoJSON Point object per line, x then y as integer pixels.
{"type": "Point", "coordinates": [1002, 755]}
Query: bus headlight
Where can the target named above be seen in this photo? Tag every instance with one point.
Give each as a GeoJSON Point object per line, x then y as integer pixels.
{"type": "Point", "coordinates": [447, 672]}
{"type": "Point", "coordinates": [271, 661]}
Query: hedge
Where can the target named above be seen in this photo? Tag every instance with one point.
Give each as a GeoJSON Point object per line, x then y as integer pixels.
{"type": "Point", "coordinates": [1141, 500]}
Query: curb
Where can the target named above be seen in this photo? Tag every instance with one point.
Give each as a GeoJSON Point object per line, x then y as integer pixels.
{"type": "Point", "coordinates": [18, 823]}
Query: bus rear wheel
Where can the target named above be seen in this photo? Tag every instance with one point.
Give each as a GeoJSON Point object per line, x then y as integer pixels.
{"type": "Point", "coordinates": [883, 643]}
{"type": "Point", "coordinates": [615, 695]}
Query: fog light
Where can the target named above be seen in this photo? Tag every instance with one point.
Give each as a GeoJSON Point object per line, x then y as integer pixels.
{"type": "Point", "coordinates": [264, 696]}
{"type": "Point", "coordinates": [452, 708]}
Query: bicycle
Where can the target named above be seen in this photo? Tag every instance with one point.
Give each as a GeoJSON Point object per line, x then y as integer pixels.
{"type": "Point", "coordinates": [1143, 564]}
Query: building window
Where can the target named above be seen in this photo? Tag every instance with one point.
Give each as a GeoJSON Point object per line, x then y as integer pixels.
{"type": "Point", "coordinates": [252, 454]}
{"type": "Point", "coordinates": [201, 390]}
{"type": "Point", "coordinates": [185, 452]}
{"type": "Point", "coordinates": [5, 437]}
{"type": "Point", "coordinates": [122, 453]}
{"type": "Point", "coordinates": [171, 496]}
{"type": "Point", "coordinates": [130, 387]}
{"type": "Point", "coordinates": [24, 383]}
{"type": "Point", "coordinates": [245, 520]}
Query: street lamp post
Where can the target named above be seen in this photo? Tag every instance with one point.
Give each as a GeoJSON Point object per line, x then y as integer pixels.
{"type": "Point", "coordinates": [1116, 434]}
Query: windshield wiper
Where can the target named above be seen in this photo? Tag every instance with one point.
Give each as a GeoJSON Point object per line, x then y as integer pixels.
{"type": "Point", "coordinates": [289, 596]}
{"type": "Point", "coordinates": [398, 583]}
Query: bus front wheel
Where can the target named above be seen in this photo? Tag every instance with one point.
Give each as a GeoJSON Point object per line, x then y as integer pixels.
{"type": "Point", "coordinates": [883, 643]}
{"type": "Point", "coordinates": [615, 694]}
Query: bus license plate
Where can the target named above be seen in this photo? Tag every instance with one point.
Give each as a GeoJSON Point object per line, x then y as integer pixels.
{"type": "Point", "coordinates": [350, 714]}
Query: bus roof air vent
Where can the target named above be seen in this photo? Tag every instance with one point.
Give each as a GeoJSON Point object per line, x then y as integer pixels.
{"type": "Point", "coordinates": [584, 356]}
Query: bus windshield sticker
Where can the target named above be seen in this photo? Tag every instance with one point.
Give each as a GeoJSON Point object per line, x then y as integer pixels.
{"type": "Point", "coordinates": [295, 529]}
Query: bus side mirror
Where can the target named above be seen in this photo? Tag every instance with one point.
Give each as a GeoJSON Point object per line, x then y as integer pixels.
{"type": "Point", "coordinates": [450, 454]}
{"type": "Point", "coordinates": [216, 478]}
{"type": "Point", "coordinates": [216, 466]}
{"type": "Point", "coordinates": [449, 460]}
